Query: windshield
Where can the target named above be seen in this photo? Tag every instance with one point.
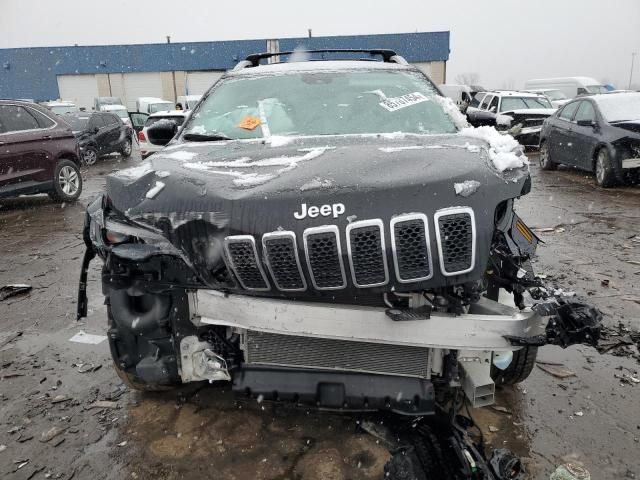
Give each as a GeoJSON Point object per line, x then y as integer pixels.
{"type": "Point", "coordinates": [110, 100]}
{"type": "Point", "coordinates": [555, 95]}
{"type": "Point", "coordinates": [122, 113]}
{"type": "Point", "coordinates": [77, 123]}
{"type": "Point", "coordinates": [60, 109]}
{"type": "Point", "coordinates": [520, 103]}
{"type": "Point", "coordinates": [160, 107]}
{"type": "Point", "coordinates": [596, 89]}
{"type": "Point", "coordinates": [620, 106]}
{"type": "Point", "coordinates": [322, 103]}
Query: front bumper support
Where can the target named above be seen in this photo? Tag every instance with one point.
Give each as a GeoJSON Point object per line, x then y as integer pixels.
{"type": "Point", "coordinates": [337, 390]}
{"type": "Point", "coordinates": [484, 328]}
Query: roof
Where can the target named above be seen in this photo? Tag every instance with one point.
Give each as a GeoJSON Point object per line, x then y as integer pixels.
{"type": "Point", "coordinates": [170, 113]}
{"type": "Point", "coordinates": [111, 107]}
{"type": "Point", "coordinates": [318, 65]}
{"type": "Point", "coordinates": [514, 93]}
{"type": "Point", "coordinates": [59, 103]}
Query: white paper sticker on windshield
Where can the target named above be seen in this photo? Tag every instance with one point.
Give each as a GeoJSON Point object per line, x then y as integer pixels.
{"type": "Point", "coordinates": [396, 103]}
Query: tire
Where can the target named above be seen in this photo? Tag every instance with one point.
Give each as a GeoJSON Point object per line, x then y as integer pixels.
{"type": "Point", "coordinates": [519, 369]}
{"type": "Point", "coordinates": [67, 182]}
{"type": "Point", "coordinates": [90, 156]}
{"type": "Point", "coordinates": [545, 158]}
{"type": "Point", "coordinates": [126, 148]}
{"type": "Point", "coordinates": [604, 169]}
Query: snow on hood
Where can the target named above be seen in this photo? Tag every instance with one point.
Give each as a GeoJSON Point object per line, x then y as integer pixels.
{"type": "Point", "coordinates": [531, 111]}
{"type": "Point", "coordinates": [250, 179]}
{"type": "Point", "coordinates": [504, 151]}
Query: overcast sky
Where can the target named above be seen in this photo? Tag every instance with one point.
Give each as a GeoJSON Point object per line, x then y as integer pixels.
{"type": "Point", "coordinates": [505, 42]}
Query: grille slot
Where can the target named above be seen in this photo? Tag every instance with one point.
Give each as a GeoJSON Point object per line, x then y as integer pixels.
{"type": "Point", "coordinates": [281, 255]}
{"type": "Point", "coordinates": [295, 351]}
{"type": "Point", "coordinates": [367, 254]}
{"type": "Point", "coordinates": [324, 257]}
{"type": "Point", "coordinates": [411, 248]}
{"type": "Point", "coordinates": [456, 240]}
{"type": "Point", "coordinates": [243, 258]}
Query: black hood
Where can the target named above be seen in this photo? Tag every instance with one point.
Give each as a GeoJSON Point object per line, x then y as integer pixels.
{"type": "Point", "coordinates": [217, 189]}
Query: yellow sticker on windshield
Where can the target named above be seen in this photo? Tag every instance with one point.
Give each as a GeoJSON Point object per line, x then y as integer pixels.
{"type": "Point", "coordinates": [249, 123]}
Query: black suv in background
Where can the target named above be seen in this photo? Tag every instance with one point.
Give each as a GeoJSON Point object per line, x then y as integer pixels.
{"type": "Point", "coordinates": [100, 133]}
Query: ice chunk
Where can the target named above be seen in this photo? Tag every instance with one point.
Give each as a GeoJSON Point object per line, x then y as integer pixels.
{"type": "Point", "coordinates": [155, 190]}
{"type": "Point", "coordinates": [315, 184]}
{"type": "Point", "coordinates": [504, 151]}
{"type": "Point", "coordinates": [466, 188]}
{"type": "Point", "coordinates": [135, 173]}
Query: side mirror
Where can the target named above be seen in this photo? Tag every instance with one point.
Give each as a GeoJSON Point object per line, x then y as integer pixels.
{"type": "Point", "coordinates": [492, 109]}
{"type": "Point", "coordinates": [162, 131]}
{"type": "Point", "coordinates": [95, 130]}
{"type": "Point", "coordinates": [587, 123]}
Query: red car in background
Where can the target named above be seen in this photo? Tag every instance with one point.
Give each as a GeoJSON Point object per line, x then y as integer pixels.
{"type": "Point", "coordinates": [38, 153]}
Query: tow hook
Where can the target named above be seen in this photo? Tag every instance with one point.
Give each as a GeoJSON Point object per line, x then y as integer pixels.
{"type": "Point", "coordinates": [200, 362]}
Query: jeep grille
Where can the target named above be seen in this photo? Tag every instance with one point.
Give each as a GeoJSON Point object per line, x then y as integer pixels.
{"type": "Point", "coordinates": [366, 252]}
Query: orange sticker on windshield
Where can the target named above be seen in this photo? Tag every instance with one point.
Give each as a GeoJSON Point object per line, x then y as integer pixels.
{"type": "Point", "coordinates": [249, 123]}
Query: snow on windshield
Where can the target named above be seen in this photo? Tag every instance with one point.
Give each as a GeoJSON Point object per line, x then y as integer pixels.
{"type": "Point", "coordinates": [616, 107]}
{"type": "Point", "coordinates": [323, 103]}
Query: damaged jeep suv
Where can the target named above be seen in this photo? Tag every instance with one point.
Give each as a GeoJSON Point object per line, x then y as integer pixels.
{"type": "Point", "coordinates": [328, 232]}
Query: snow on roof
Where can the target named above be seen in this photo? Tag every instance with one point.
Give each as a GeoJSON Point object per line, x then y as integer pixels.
{"type": "Point", "coordinates": [110, 108]}
{"type": "Point", "coordinates": [172, 113]}
{"type": "Point", "coordinates": [320, 65]}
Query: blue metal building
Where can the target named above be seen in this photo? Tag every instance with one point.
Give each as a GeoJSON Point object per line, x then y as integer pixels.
{"type": "Point", "coordinates": [172, 69]}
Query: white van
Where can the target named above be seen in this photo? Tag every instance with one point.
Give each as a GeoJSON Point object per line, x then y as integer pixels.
{"type": "Point", "coordinates": [570, 86]}
{"type": "Point", "coordinates": [153, 105]}
{"type": "Point", "coordinates": [189, 101]}
{"type": "Point", "coordinates": [460, 94]}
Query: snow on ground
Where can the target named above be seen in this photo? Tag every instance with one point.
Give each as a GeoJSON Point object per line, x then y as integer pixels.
{"type": "Point", "coordinates": [504, 150]}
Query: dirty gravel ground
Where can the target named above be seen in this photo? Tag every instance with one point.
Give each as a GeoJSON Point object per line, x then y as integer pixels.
{"type": "Point", "coordinates": [51, 426]}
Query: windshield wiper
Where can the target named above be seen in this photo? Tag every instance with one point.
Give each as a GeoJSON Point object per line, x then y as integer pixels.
{"type": "Point", "coordinates": [205, 137]}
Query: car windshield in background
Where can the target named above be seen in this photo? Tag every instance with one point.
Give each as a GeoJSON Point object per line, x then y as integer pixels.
{"type": "Point", "coordinates": [523, 103]}
{"type": "Point", "coordinates": [110, 100]}
{"type": "Point", "coordinates": [77, 123]}
{"type": "Point", "coordinates": [620, 107]}
{"type": "Point", "coordinates": [61, 109]}
{"type": "Point", "coordinates": [321, 103]}
{"type": "Point", "coordinates": [160, 107]}
{"type": "Point", "coordinates": [555, 95]}
{"type": "Point", "coordinates": [179, 119]}
{"type": "Point", "coordinates": [596, 89]}
{"type": "Point", "coordinates": [121, 113]}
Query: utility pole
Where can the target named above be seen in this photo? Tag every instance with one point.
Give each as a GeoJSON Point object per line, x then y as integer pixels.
{"type": "Point", "coordinates": [309, 30]}
{"type": "Point", "coordinates": [168, 38]}
{"type": "Point", "coordinates": [633, 57]}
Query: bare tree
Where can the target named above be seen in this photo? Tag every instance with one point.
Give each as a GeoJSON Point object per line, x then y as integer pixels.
{"type": "Point", "coordinates": [468, 78]}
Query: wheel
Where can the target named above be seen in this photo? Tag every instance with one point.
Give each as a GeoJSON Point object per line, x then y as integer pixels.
{"type": "Point", "coordinates": [545, 158]}
{"type": "Point", "coordinates": [67, 182]}
{"type": "Point", "coordinates": [605, 172]}
{"type": "Point", "coordinates": [519, 369]}
{"type": "Point", "coordinates": [90, 156]}
{"type": "Point", "coordinates": [126, 149]}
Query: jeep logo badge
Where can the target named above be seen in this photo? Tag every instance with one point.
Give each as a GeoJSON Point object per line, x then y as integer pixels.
{"type": "Point", "coordinates": [313, 211]}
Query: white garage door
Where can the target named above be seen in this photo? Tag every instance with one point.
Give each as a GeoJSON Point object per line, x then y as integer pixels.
{"type": "Point", "coordinates": [199, 82]}
{"type": "Point", "coordinates": [141, 85]}
{"type": "Point", "coordinates": [79, 89]}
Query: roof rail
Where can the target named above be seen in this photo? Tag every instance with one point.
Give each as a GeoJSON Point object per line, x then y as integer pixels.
{"type": "Point", "coordinates": [387, 55]}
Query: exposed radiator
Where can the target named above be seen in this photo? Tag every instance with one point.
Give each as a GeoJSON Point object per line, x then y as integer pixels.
{"type": "Point", "coordinates": [288, 350]}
